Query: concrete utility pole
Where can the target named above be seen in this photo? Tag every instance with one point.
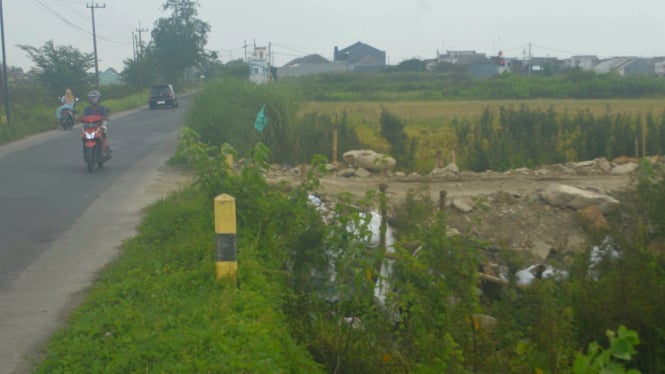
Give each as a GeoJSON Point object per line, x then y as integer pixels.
{"type": "Point", "coordinates": [139, 54]}
{"type": "Point", "coordinates": [92, 7]}
{"type": "Point", "coordinates": [5, 90]}
{"type": "Point", "coordinates": [139, 30]}
{"type": "Point", "coordinates": [133, 46]}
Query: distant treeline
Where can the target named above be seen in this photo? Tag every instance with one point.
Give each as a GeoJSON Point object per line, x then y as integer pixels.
{"type": "Point", "coordinates": [576, 83]}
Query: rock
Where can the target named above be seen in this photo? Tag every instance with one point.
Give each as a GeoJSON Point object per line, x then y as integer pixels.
{"type": "Point", "coordinates": [583, 164]}
{"type": "Point", "coordinates": [593, 218]}
{"type": "Point", "coordinates": [346, 173]}
{"type": "Point", "coordinates": [437, 172]}
{"type": "Point", "coordinates": [603, 164]}
{"type": "Point", "coordinates": [369, 160]}
{"type": "Point", "coordinates": [564, 196]}
{"type": "Point", "coordinates": [400, 174]}
{"type": "Point", "coordinates": [414, 175]}
{"type": "Point", "coordinates": [331, 167]}
{"type": "Point", "coordinates": [626, 168]}
{"type": "Point", "coordinates": [452, 167]}
{"type": "Point", "coordinates": [624, 160]}
{"type": "Point", "coordinates": [463, 204]}
{"type": "Point", "coordinates": [541, 249]}
{"type": "Point", "coordinates": [362, 173]}
{"type": "Point", "coordinates": [505, 198]}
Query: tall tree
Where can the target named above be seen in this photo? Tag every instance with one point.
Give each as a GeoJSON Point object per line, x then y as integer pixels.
{"type": "Point", "coordinates": [138, 72]}
{"type": "Point", "coordinates": [60, 67]}
{"type": "Point", "coordinates": [179, 40]}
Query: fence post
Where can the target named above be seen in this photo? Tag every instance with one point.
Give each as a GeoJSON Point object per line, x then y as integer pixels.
{"type": "Point", "coordinates": [334, 146]}
{"type": "Point", "coordinates": [384, 212]}
{"type": "Point", "coordinates": [442, 200]}
{"type": "Point", "coordinates": [225, 235]}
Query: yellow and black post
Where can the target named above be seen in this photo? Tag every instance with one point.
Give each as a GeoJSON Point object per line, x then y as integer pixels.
{"type": "Point", "coordinates": [225, 235]}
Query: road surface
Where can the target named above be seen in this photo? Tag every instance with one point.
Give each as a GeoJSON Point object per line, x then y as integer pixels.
{"type": "Point", "coordinates": [60, 224]}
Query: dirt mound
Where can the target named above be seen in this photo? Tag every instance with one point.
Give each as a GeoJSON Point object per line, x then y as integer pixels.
{"type": "Point", "coordinates": [503, 209]}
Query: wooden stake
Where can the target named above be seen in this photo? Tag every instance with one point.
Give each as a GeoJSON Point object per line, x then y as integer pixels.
{"type": "Point", "coordinates": [334, 146]}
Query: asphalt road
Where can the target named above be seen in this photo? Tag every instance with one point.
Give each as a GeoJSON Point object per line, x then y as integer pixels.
{"type": "Point", "coordinates": [60, 224]}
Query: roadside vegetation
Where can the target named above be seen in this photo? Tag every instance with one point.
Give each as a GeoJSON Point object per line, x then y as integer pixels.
{"type": "Point", "coordinates": [312, 295]}
{"type": "Point", "coordinates": [307, 300]}
{"type": "Point", "coordinates": [34, 114]}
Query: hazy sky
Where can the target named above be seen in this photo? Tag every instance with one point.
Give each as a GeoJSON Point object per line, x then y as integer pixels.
{"type": "Point", "coordinates": [402, 28]}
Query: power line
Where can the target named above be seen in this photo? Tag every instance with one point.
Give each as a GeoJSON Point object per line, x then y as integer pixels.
{"type": "Point", "coordinates": [46, 7]}
{"type": "Point", "coordinates": [555, 49]}
{"type": "Point", "coordinates": [291, 49]}
{"type": "Point", "coordinates": [117, 19]}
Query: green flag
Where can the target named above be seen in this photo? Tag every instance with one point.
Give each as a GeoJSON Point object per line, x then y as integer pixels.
{"type": "Point", "coordinates": [261, 119]}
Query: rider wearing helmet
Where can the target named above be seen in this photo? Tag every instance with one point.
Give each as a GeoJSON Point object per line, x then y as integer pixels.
{"type": "Point", "coordinates": [95, 99]}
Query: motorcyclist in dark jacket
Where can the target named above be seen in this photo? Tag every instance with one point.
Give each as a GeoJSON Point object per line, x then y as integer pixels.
{"type": "Point", "coordinates": [95, 99]}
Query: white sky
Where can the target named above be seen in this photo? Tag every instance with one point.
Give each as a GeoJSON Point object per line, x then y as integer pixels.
{"type": "Point", "coordinates": [403, 28]}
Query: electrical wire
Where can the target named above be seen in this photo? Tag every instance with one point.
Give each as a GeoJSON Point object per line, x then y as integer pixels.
{"type": "Point", "coordinates": [101, 37]}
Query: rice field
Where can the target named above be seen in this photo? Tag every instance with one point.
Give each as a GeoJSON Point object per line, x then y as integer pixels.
{"type": "Point", "coordinates": [429, 122]}
{"type": "Point", "coordinates": [443, 112]}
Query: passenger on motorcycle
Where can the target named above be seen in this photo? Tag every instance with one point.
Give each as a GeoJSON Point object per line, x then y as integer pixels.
{"type": "Point", "coordinates": [95, 98]}
{"type": "Point", "coordinates": [67, 101]}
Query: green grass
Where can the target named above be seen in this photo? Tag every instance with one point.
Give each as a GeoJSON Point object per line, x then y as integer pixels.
{"type": "Point", "coordinates": [159, 309]}
{"type": "Point", "coordinates": [133, 101]}
{"type": "Point", "coordinates": [26, 121]}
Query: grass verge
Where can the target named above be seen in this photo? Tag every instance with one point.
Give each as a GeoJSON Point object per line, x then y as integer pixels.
{"type": "Point", "coordinates": [26, 121]}
{"type": "Point", "coordinates": [158, 307]}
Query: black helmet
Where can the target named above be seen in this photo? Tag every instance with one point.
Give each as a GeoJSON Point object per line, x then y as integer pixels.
{"type": "Point", "coordinates": [94, 97]}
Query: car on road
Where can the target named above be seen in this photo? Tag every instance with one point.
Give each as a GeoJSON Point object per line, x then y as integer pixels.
{"type": "Point", "coordinates": [162, 95]}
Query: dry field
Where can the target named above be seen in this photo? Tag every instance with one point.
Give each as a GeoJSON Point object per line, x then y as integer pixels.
{"type": "Point", "coordinates": [430, 112]}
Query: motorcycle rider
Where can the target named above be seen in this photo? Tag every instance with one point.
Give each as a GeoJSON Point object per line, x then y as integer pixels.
{"type": "Point", "coordinates": [67, 101]}
{"type": "Point", "coordinates": [95, 98]}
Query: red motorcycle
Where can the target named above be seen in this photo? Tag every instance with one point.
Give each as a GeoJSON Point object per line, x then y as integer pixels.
{"type": "Point", "coordinates": [95, 144]}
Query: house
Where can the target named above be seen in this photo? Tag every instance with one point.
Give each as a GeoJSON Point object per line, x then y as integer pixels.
{"type": "Point", "coordinates": [460, 57]}
{"type": "Point", "coordinates": [625, 66]}
{"type": "Point", "coordinates": [311, 64]}
{"type": "Point", "coordinates": [584, 62]}
{"type": "Point", "coordinates": [659, 66]}
{"type": "Point", "coordinates": [475, 64]}
{"type": "Point", "coordinates": [544, 65]}
{"type": "Point", "coordinates": [360, 57]}
{"type": "Point", "coordinates": [259, 66]}
{"type": "Point", "coordinates": [109, 77]}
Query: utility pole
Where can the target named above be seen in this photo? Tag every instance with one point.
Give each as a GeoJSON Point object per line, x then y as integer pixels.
{"type": "Point", "coordinates": [133, 46]}
{"type": "Point", "coordinates": [4, 67]}
{"type": "Point", "coordinates": [139, 53]}
{"type": "Point", "coordinates": [530, 57]}
{"type": "Point", "coordinates": [140, 31]}
{"type": "Point", "coordinates": [92, 7]}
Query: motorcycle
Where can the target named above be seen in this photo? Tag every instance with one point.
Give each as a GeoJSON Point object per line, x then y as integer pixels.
{"type": "Point", "coordinates": [68, 117]}
{"type": "Point", "coordinates": [95, 144]}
